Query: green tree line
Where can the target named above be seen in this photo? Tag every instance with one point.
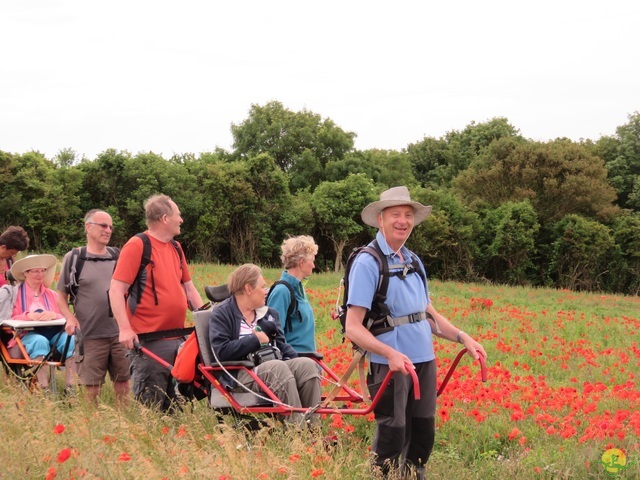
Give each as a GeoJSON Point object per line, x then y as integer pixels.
{"type": "Point", "coordinates": [506, 209]}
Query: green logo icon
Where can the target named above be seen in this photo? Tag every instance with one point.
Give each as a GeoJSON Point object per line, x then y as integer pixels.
{"type": "Point", "coordinates": [614, 462]}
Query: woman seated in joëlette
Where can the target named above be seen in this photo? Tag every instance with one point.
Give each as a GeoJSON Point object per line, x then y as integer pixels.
{"type": "Point", "coordinates": [242, 324]}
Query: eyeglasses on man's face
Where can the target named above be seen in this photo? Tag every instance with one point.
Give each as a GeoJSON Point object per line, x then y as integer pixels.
{"type": "Point", "coordinates": [104, 226]}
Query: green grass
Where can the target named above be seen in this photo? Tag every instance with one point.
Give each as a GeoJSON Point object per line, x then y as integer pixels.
{"type": "Point", "coordinates": [562, 390]}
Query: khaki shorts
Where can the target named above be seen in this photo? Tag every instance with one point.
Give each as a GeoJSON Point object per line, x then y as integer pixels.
{"type": "Point", "coordinates": [102, 355]}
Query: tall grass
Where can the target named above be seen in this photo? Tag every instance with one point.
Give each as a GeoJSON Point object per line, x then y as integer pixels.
{"type": "Point", "coordinates": [562, 390]}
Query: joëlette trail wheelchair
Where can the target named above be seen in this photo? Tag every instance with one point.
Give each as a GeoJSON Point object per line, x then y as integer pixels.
{"type": "Point", "coordinates": [341, 399]}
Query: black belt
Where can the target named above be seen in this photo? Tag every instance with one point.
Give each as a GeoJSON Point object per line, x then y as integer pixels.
{"type": "Point", "coordinates": [165, 334]}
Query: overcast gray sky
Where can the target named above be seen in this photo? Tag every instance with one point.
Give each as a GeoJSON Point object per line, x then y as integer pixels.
{"type": "Point", "coordinates": [171, 77]}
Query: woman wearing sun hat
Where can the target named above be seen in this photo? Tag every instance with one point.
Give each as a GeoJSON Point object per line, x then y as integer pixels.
{"type": "Point", "coordinates": [35, 301]}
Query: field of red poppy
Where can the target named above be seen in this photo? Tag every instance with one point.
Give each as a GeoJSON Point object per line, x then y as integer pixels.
{"type": "Point", "coordinates": [561, 401]}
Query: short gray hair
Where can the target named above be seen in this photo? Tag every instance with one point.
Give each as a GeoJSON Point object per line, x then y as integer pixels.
{"type": "Point", "coordinates": [157, 206]}
{"type": "Point", "coordinates": [295, 249]}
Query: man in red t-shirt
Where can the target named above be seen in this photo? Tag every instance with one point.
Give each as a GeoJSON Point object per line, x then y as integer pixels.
{"type": "Point", "coordinates": [166, 287]}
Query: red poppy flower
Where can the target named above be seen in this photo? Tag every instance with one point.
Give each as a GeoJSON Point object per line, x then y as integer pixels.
{"type": "Point", "coordinates": [64, 455]}
{"type": "Point", "coordinates": [514, 433]}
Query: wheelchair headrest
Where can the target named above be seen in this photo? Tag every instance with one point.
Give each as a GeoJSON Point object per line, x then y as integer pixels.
{"type": "Point", "coordinates": [217, 293]}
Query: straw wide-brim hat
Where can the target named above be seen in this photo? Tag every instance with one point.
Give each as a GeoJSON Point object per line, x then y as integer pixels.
{"type": "Point", "coordinates": [36, 261]}
{"type": "Point", "coordinates": [392, 198]}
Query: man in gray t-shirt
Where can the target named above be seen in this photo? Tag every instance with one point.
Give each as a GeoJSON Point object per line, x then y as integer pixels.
{"type": "Point", "coordinates": [98, 350]}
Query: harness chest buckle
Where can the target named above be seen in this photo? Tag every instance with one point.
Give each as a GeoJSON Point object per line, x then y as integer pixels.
{"type": "Point", "coordinates": [405, 271]}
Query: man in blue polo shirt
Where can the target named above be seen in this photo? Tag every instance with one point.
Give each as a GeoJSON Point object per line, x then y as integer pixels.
{"type": "Point", "coordinates": [405, 430]}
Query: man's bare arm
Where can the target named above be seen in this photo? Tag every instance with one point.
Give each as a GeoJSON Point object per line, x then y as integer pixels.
{"type": "Point", "coordinates": [63, 306]}
{"type": "Point", "coordinates": [450, 332]}
{"type": "Point", "coordinates": [193, 296]}
{"type": "Point", "coordinates": [117, 292]}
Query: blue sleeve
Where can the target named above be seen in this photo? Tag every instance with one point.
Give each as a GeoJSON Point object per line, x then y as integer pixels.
{"type": "Point", "coordinates": [363, 280]}
{"type": "Point", "coordinates": [279, 300]}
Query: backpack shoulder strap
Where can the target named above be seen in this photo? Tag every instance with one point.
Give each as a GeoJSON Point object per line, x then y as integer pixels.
{"type": "Point", "coordinates": [418, 268]}
{"type": "Point", "coordinates": [146, 250]}
{"type": "Point", "coordinates": [293, 304]}
{"type": "Point", "coordinates": [9, 278]}
{"type": "Point", "coordinates": [383, 268]}
{"type": "Point", "coordinates": [114, 252]}
{"type": "Point", "coordinates": [80, 256]}
{"type": "Point", "coordinates": [74, 267]}
{"type": "Point", "coordinates": [380, 294]}
{"type": "Point", "coordinates": [145, 260]}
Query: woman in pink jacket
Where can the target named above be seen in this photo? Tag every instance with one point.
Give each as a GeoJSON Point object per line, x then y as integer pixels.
{"type": "Point", "coordinates": [35, 301]}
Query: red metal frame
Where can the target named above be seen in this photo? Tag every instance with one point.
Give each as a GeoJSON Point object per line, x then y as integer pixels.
{"type": "Point", "coordinates": [483, 370]}
{"type": "Point", "coordinates": [350, 396]}
{"type": "Point", "coordinates": [208, 373]}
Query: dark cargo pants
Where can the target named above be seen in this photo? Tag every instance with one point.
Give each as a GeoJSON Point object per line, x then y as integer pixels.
{"type": "Point", "coordinates": [405, 431]}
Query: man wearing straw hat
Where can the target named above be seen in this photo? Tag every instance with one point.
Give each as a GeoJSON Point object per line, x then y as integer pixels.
{"type": "Point", "coordinates": [405, 430]}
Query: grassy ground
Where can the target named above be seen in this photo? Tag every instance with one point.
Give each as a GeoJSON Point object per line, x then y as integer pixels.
{"type": "Point", "coordinates": [562, 392]}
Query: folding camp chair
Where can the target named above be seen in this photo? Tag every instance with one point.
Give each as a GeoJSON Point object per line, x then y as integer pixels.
{"type": "Point", "coordinates": [16, 360]}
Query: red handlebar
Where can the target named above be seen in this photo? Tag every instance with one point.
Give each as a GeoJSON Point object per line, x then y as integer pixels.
{"type": "Point", "coordinates": [416, 383]}
{"type": "Point", "coordinates": [483, 370]}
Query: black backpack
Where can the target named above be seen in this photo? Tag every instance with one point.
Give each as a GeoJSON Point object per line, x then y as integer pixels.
{"type": "Point", "coordinates": [293, 305]}
{"type": "Point", "coordinates": [76, 263]}
{"type": "Point", "coordinates": [375, 320]}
